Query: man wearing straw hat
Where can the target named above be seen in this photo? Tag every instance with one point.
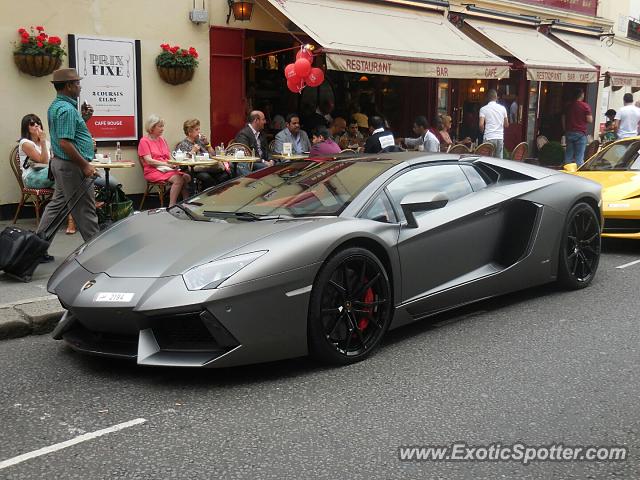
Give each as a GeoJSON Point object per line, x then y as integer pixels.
{"type": "Point", "coordinates": [72, 147]}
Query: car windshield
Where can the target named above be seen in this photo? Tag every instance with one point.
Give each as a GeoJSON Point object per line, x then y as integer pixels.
{"type": "Point", "coordinates": [617, 156]}
{"type": "Point", "coordinates": [293, 189]}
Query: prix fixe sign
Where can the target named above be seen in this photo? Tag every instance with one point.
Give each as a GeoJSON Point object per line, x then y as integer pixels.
{"type": "Point", "coordinates": [108, 67]}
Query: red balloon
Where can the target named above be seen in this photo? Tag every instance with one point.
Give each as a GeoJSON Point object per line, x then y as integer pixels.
{"type": "Point", "coordinates": [295, 84]}
{"type": "Point", "coordinates": [289, 71]}
{"type": "Point", "coordinates": [302, 67]}
{"type": "Point", "coordinates": [304, 53]}
{"type": "Point", "coordinates": [315, 78]}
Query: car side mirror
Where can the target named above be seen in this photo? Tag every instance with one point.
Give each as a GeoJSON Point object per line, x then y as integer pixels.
{"type": "Point", "coordinates": [421, 202]}
{"type": "Point", "coordinates": [570, 167]}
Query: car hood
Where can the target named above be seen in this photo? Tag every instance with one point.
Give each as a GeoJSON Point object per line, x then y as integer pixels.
{"type": "Point", "coordinates": [616, 185]}
{"type": "Point", "coordinates": [159, 245]}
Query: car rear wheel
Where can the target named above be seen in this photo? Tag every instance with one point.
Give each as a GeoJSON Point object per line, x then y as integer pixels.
{"type": "Point", "coordinates": [580, 247]}
{"type": "Point", "coordinates": [350, 308]}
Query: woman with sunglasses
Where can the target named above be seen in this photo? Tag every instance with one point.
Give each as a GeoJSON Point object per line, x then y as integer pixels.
{"type": "Point", "coordinates": [35, 150]}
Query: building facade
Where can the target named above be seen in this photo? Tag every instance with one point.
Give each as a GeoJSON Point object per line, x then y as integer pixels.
{"type": "Point", "coordinates": [401, 58]}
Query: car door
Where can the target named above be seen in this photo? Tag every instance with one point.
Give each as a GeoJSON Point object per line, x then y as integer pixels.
{"type": "Point", "coordinates": [451, 244]}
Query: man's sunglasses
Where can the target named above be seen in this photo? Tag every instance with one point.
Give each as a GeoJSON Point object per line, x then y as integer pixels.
{"type": "Point", "coordinates": [33, 123]}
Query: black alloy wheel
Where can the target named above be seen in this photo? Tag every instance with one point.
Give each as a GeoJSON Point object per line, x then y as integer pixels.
{"type": "Point", "coordinates": [350, 308]}
{"type": "Point", "coordinates": [580, 248]}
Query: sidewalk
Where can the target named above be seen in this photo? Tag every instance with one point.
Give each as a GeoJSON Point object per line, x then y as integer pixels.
{"type": "Point", "coordinates": [27, 308]}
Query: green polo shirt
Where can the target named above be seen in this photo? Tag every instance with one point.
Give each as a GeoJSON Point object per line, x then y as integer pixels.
{"type": "Point", "coordinates": [66, 122]}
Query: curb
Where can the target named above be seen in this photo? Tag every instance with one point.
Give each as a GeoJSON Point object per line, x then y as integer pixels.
{"type": "Point", "coordinates": [29, 317]}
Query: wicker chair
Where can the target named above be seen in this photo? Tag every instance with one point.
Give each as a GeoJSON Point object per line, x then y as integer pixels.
{"type": "Point", "coordinates": [541, 141]}
{"type": "Point", "coordinates": [36, 197]}
{"type": "Point", "coordinates": [520, 151]}
{"type": "Point", "coordinates": [485, 149]}
{"type": "Point", "coordinates": [153, 188]}
{"type": "Point", "coordinates": [235, 147]}
{"type": "Point", "coordinates": [458, 148]}
{"type": "Point", "coordinates": [591, 149]}
{"type": "Point", "coordinates": [348, 152]}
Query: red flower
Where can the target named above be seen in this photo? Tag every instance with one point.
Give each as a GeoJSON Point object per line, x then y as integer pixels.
{"type": "Point", "coordinates": [24, 40]}
{"type": "Point", "coordinates": [185, 53]}
{"type": "Point", "coordinates": [40, 29]}
{"type": "Point", "coordinates": [173, 50]}
{"type": "Point", "coordinates": [21, 31]}
{"type": "Point", "coordinates": [25, 35]}
{"type": "Point", "coordinates": [40, 44]}
{"type": "Point", "coordinates": [41, 38]}
{"type": "Point", "coordinates": [55, 40]}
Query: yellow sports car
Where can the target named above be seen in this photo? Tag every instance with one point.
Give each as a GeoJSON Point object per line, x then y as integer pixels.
{"type": "Point", "coordinates": [617, 168]}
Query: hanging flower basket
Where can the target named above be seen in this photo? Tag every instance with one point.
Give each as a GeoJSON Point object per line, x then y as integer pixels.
{"type": "Point", "coordinates": [176, 75]}
{"type": "Point", "coordinates": [176, 65]}
{"type": "Point", "coordinates": [38, 54]}
{"type": "Point", "coordinates": [37, 65]}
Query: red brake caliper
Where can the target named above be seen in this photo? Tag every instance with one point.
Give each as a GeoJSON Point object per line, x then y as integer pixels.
{"type": "Point", "coordinates": [368, 298]}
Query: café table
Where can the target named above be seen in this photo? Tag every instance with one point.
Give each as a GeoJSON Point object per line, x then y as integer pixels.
{"type": "Point", "coordinates": [293, 156]}
{"type": "Point", "coordinates": [107, 167]}
{"type": "Point", "coordinates": [235, 160]}
{"type": "Point", "coordinates": [191, 165]}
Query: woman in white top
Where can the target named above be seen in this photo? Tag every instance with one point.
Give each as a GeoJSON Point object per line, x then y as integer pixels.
{"type": "Point", "coordinates": [35, 151]}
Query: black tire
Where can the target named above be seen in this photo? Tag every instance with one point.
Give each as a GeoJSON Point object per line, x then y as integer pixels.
{"type": "Point", "coordinates": [580, 248]}
{"type": "Point", "coordinates": [351, 307]}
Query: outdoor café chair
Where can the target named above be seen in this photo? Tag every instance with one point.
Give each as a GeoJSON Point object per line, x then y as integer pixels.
{"type": "Point", "coordinates": [35, 197]}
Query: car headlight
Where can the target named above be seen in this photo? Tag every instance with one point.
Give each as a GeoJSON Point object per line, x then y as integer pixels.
{"type": "Point", "coordinates": [212, 274]}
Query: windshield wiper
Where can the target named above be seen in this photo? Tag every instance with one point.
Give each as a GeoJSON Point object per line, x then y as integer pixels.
{"type": "Point", "coordinates": [185, 210]}
{"type": "Point", "coordinates": [248, 216]}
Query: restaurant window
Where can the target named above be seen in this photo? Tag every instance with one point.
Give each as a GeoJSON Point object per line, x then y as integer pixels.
{"type": "Point", "coordinates": [443, 97]}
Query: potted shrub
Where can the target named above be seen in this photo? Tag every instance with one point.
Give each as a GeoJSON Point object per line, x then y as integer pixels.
{"type": "Point", "coordinates": [37, 53]}
{"type": "Point", "coordinates": [551, 155]}
{"type": "Point", "coordinates": [176, 65]}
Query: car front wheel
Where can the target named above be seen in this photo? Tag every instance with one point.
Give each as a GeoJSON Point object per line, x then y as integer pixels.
{"type": "Point", "coordinates": [580, 247]}
{"type": "Point", "coordinates": [350, 308]}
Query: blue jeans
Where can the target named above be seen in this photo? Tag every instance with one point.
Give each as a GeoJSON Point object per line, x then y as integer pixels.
{"type": "Point", "coordinates": [576, 143]}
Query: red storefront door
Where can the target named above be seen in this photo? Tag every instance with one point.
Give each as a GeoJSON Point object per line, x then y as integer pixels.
{"type": "Point", "coordinates": [227, 83]}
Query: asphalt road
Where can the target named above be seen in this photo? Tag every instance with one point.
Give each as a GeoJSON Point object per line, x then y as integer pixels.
{"type": "Point", "coordinates": [539, 367]}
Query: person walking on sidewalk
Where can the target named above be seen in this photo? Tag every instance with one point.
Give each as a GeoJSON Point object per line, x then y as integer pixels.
{"type": "Point", "coordinates": [493, 120]}
{"type": "Point", "coordinates": [627, 119]}
{"type": "Point", "coordinates": [578, 115]}
{"type": "Point", "coordinates": [72, 147]}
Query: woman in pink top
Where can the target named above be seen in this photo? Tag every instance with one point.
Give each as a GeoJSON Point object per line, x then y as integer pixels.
{"type": "Point", "coordinates": [154, 154]}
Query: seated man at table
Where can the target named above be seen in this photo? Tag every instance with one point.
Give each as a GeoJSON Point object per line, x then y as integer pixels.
{"type": "Point", "coordinates": [352, 138]}
{"type": "Point", "coordinates": [323, 144]}
{"type": "Point", "coordinates": [426, 140]}
{"type": "Point", "coordinates": [252, 136]}
{"type": "Point", "coordinates": [338, 128]}
{"type": "Point", "coordinates": [292, 134]}
{"type": "Point", "coordinates": [380, 137]}
{"type": "Point", "coordinates": [196, 143]}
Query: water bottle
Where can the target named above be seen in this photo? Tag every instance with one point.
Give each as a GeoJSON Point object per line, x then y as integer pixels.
{"type": "Point", "coordinates": [118, 157]}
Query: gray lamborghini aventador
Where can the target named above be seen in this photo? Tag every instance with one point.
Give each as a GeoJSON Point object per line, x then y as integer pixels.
{"type": "Point", "coordinates": [322, 258]}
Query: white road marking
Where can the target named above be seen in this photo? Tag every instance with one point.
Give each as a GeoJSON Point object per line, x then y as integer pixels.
{"type": "Point", "coordinates": [59, 446]}
{"type": "Point", "coordinates": [629, 264]}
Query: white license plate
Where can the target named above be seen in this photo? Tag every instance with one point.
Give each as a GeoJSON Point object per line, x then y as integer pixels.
{"type": "Point", "coordinates": [113, 297]}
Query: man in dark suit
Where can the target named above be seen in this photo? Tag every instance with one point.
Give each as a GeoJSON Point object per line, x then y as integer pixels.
{"type": "Point", "coordinates": [380, 138]}
{"type": "Point", "coordinates": [252, 136]}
